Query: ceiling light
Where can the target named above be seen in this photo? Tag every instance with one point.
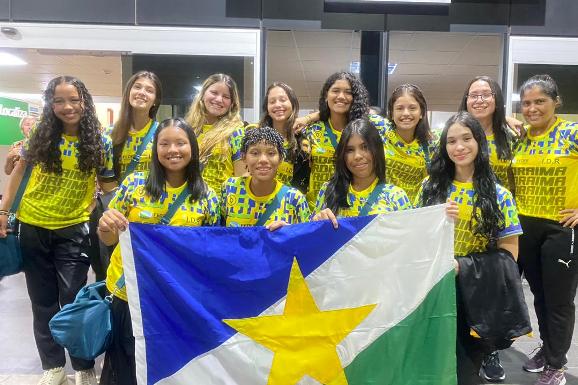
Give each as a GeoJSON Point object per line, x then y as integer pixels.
{"type": "Point", "coordinates": [7, 59]}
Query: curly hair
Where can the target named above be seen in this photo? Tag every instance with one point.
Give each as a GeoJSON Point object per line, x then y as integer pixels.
{"type": "Point", "coordinates": [486, 213]}
{"type": "Point", "coordinates": [338, 186]}
{"type": "Point", "coordinates": [359, 106]}
{"type": "Point", "coordinates": [504, 140]}
{"type": "Point", "coordinates": [156, 182]}
{"type": "Point", "coordinates": [422, 130]}
{"type": "Point", "coordinates": [265, 134]}
{"type": "Point", "coordinates": [44, 144]}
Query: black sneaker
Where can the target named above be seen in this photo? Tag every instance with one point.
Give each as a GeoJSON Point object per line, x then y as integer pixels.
{"type": "Point", "coordinates": [491, 368]}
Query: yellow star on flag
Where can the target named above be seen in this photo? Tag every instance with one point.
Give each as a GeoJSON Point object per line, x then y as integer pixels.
{"type": "Point", "coordinates": [304, 339]}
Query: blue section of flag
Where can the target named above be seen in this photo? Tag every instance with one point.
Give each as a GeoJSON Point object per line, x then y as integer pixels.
{"type": "Point", "coordinates": [190, 279]}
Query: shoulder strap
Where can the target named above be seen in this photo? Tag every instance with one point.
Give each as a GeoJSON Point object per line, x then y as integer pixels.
{"type": "Point", "coordinates": [173, 207]}
{"type": "Point", "coordinates": [371, 200]}
{"type": "Point", "coordinates": [141, 148]}
{"type": "Point", "coordinates": [272, 206]}
{"type": "Point", "coordinates": [21, 188]}
{"type": "Point", "coordinates": [330, 134]}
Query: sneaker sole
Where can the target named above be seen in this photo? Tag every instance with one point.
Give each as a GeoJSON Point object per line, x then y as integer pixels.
{"type": "Point", "coordinates": [483, 375]}
{"type": "Point", "coordinates": [537, 370]}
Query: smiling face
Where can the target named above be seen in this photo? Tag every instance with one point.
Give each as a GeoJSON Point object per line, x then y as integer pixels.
{"type": "Point", "coordinates": [481, 102]}
{"type": "Point", "coordinates": [26, 125]}
{"type": "Point", "coordinates": [538, 108]}
{"type": "Point", "coordinates": [406, 113]}
{"type": "Point", "coordinates": [279, 106]}
{"type": "Point", "coordinates": [142, 94]}
{"type": "Point", "coordinates": [173, 149]}
{"type": "Point", "coordinates": [358, 158]}
{"type": "Point", "coordinates": [339, 97]}
{"type": "Point", "coordinates": [67, 106]}
{"type": "Point", "coordinates": [262, 161]}
{"type": "Point", "coordinates": [461, 146]}
{"type": "Point", "coordinates": [217, 100]}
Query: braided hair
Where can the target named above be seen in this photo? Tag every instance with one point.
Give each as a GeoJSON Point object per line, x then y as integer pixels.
{"type": "Point", "coordinates": [265, 134]}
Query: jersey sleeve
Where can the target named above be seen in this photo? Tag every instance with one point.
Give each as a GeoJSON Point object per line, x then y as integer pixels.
{"type": "Point", "coordinates": [213, 209]}
{"type": "Point", "coordinates": [320, 202]}
{"type": "Point", "coordinates": [508, 206]}
{"type": "Point", "coordinates": [122, 199]}
{"type": "Point", "coordinates": [401, 200]}
{"type": "Point", "coordinates": [107, 169]}
{"type": "Point", "coordinates": [235, 142]}
{"type": "Point", "coordinates": [301, 207]}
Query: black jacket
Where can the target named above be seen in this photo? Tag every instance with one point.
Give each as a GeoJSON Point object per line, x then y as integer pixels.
{"type": "Point", "coordinates": [491, 292]}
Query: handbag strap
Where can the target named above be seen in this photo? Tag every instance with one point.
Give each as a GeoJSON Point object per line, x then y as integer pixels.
{"type": "Point", "coordinates": [371, 200]}
{"type": "Point", "coordinates": [272, 206]}
{"type": "Point", "coordinates": [141, 148]}
{"type": "Point", "coordinates": [330, 134]}
{"type": "Point", "coordinates": [173, 207]}
{"type": "Point", "coordinates": [21, 188]}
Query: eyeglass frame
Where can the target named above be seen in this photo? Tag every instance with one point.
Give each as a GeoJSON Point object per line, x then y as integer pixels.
{"type": "Point", "coordinates": [483, 97]}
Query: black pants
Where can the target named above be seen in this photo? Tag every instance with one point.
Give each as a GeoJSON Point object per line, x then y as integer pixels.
{"type": "Point", "coordinates": [99, 253]}
{"type": "Point", "coordinates": [55, 266]}
{"type": "Point", "coordinates": [548, 261]}
{"type": "Point", "coordinates": [119, 360]}
{"type": "Point", "coordinates": [469, 350]}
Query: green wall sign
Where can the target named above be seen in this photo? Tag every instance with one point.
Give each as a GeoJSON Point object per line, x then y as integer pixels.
{"type": "Point", "coordinates": [11, 112]}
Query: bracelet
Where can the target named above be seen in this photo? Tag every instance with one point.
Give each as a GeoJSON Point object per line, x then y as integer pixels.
{"type": "Point", "coordinates": [4, 212]}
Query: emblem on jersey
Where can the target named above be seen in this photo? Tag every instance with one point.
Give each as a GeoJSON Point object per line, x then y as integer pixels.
{"type": "Point", "coordinates": [232, 200]}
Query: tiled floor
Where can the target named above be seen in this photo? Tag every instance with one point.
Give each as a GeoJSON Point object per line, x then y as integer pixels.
{"type": "Point", "coordinates": [20, 365]}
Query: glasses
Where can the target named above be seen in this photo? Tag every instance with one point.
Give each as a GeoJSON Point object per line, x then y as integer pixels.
{"type": "Point", "coordinates": [61, 102]}
{"type": "Point", "coordinates": [484, 97]}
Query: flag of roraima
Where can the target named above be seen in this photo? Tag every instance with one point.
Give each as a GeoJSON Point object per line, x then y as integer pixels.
{"type": "Point", "coordinates": [372, 302]}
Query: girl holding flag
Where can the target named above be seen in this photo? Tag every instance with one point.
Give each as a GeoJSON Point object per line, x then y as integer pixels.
{"type": "Point", "coordinates": [484, 212]}
{"type": "Point", "coordinates": [260, 199]}
{"type": "Point", "coordinates": [173, 193]}
{"type": "Point", "coordinates": [358, 187]}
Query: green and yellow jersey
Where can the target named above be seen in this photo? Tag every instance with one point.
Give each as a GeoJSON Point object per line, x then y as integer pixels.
{"type": "Point", "coordinates": [132, 143]}
{"type": "Point", "coordinates": [322, 147]}
{"type": "Point", "coordinates": [391, 198]}
{"type": "Point", "coordinates": [219, 166]}
{"type": "Point", "coordinates": [240, 207]}
{"type": "Point", "coordinates": [53, 201]}
{"type": "Point", "coordinates": [465, 241]}
{"type": "Point", "coordinates": [136, 205]}
{"type": "Point", "coordinates": [545, 171]}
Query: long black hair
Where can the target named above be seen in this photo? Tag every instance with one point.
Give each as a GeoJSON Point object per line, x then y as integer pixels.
{"type": "Point", "coordinates": [422, 130]}
{"type": "Point", "coordinates": [156, 181]}
{"type": "Point", "coordinates": [338, 186]}
{"type": "Point", "coordinates": [486, 213]}
{"type": "Point", "coordinates": [44, 145]}
{"type": "Point", "coordinates": [359, 106]}
{"type": "Point", "coordinates": [502, 135]}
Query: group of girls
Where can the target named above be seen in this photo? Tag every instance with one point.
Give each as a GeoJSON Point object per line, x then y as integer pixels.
{"type": "Point", "coordinates": [340, 162]}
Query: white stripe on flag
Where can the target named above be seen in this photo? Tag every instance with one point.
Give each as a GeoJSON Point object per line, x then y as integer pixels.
{"type": "Point", "coordinates": [394, 261]}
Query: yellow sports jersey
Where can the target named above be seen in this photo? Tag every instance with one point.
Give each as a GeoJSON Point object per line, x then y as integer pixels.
{"type": "Point", "coordinates": [219, 165]}
{"type": "Point", "coordinates": [241, 208]}
{"type": "Point", "coordinates": [406, 164]}
{"type": "Point", "coordinates": [391, 198]}
{"type": "Point", "coordinates": [135, 204]}
{"type": "Point", "coordinates": [285, 170]}
{"type": "Point", "coordinates": [465, 241]}
{"type": "Point", "coordinates": [132, 143]}
{"type": "Point", "coordinates": [500, 166]}
{"type": "Point", "coordinates": [53, 201]}
{"type": "Point", "coordinates": [322, 150]}
{"type": "Point", "coordinates": [546, 171]}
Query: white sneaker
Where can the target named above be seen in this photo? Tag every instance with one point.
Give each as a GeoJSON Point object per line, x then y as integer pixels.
{"type": "Point", "coordinates": [85, 377]}
{"type": "Point", "coordinates": [55, 376]}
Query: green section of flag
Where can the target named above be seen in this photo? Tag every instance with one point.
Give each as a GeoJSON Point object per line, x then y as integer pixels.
{"type": "Point", "coordinates": [419, 350]}
{"type": "Point", "coordinates": [11, 112]}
